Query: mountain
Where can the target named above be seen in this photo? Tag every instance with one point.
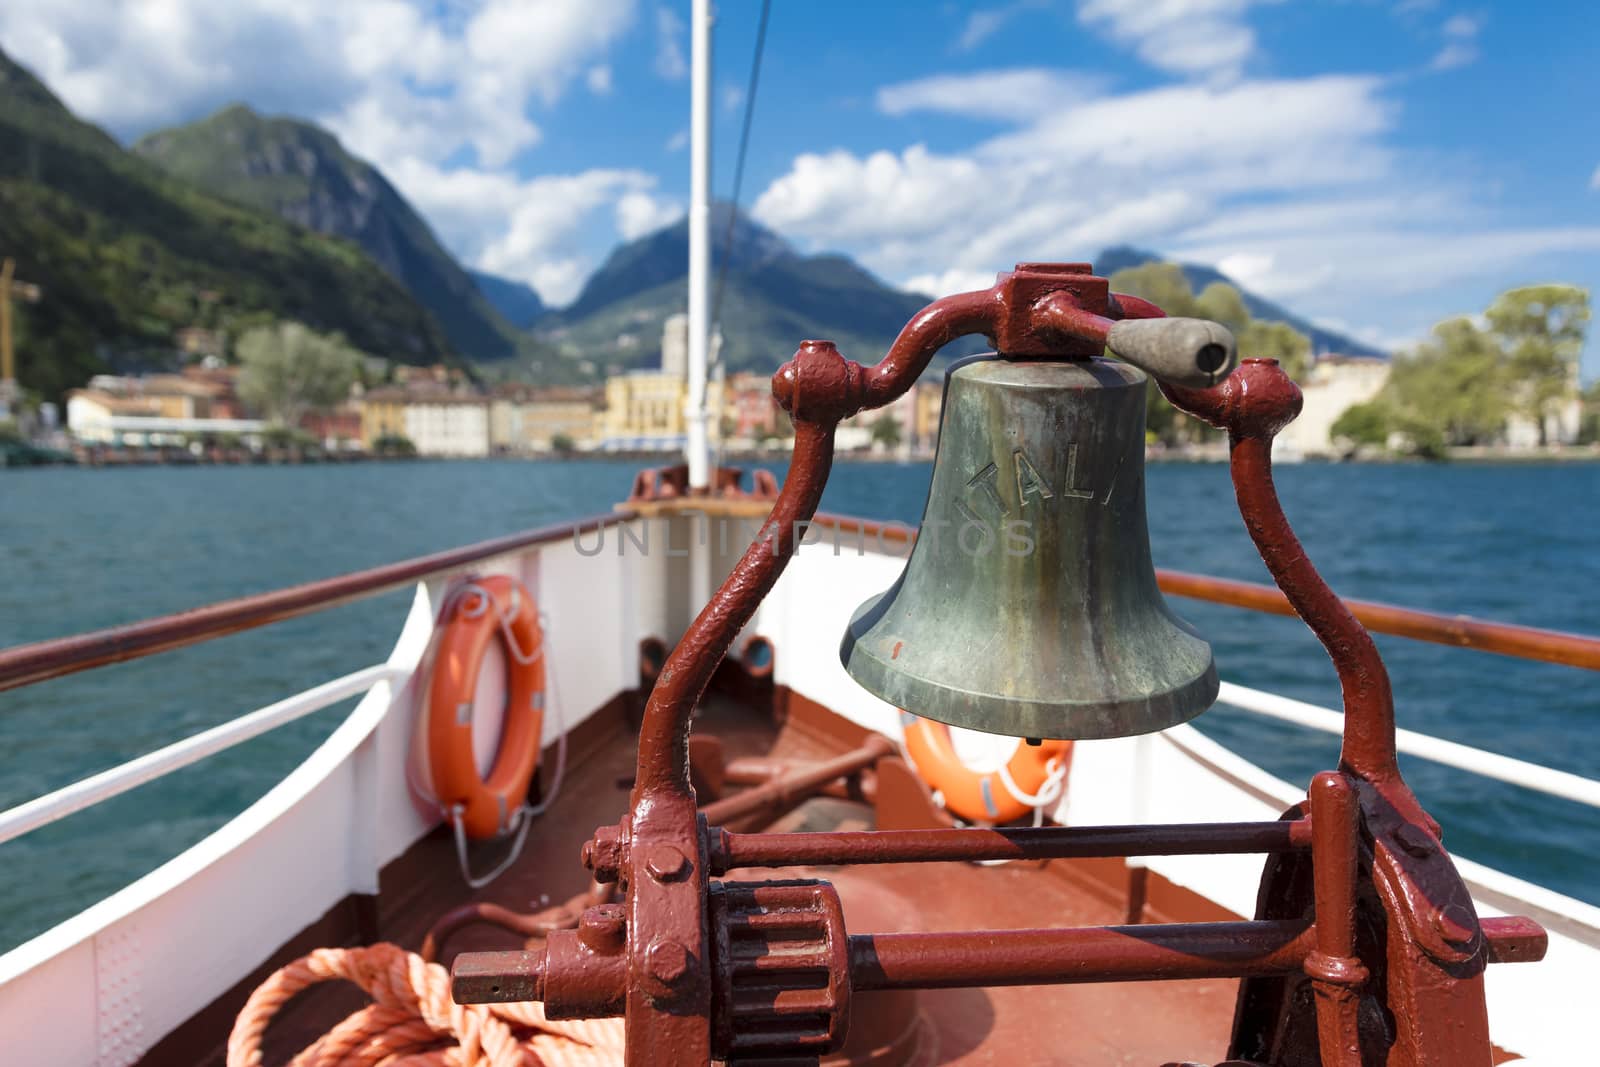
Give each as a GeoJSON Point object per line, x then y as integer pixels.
{"type": "Point", "coordinates": [775, 298]}
{"type": "Point", "coordinates": [1200, 276]}
{"type": "Point", "coordinates": [516, 301]}
{"type": "Point", "coordinates": [300, 172]}
{"type": "Point", "coordinates": [127, 255]}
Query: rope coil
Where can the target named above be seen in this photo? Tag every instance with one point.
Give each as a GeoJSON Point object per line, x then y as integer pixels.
{"type": "Point", "coordinates": [412, 1021]}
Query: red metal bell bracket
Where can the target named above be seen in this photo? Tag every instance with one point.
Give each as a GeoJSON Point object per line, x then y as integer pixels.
{"type": "Point", "coordinates": [676, 958]}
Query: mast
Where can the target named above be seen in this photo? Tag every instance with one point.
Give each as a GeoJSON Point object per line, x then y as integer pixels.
{"type": "Point", "coordinates": [697, 446]}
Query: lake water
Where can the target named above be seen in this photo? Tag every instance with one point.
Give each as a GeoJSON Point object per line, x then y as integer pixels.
{"type": "Point", "coordinates": [84, 548]}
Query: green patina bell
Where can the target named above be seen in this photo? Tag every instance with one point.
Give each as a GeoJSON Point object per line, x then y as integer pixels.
{"type": "Point", "coordinates": [1029, 604]}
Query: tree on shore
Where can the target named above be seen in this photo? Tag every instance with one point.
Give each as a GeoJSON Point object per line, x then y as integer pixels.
{"type": "Point", "coordinates": [1461, 385]}
{"type": "Point", "coordinates": [1362, 424]}
{"type": "Point", "coordinates": [886, 431]}
{"type": "Point", "coordinates": [288, 369]}
{"type": "Point", "coordinates": [394, 446]}
{"type": "Point", "coordinates": [1540, 328]}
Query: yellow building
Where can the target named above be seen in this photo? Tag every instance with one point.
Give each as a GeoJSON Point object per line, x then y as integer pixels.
{"type": "Point", "coordinates": [383, 414]}
{"type": "Point", "coordinates": [644, 411]}
{"type": "Point", "coordinates": [523, 419]}
{"type": "Point", "coordinates": [929, 404]}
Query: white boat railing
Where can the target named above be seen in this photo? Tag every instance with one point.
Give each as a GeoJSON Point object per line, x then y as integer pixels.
{"type": "Point", "coordinates": [33, 814]}
{"type": "Point", "coordinates": [87, 792]}
{"type": "Point", "coordinates": [1532, 776]}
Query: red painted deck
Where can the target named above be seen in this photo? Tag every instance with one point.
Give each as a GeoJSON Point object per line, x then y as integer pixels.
{"type": "Point", "coordinates": [1145, 1023]}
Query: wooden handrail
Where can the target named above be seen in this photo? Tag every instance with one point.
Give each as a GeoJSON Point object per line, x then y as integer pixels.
{"type": "Point", "coordinates": [1462, 631]}
{"type": "Point", "coordinates": [42, 660]}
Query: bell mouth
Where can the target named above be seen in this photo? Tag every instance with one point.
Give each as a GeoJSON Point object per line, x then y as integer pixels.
{"type": "Point", "coordinates": [932, 690]}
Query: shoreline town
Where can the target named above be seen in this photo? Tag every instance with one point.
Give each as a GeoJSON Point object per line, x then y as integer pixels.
{"type": "Point", "coordinates": [196, 416]}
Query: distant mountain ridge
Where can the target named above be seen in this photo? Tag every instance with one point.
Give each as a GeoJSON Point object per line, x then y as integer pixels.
{"type": "Point", "coordinates": [775, 298]}
{"type": "Point", "coordinates": [516, 301]}
{"type": "Point", "coordinates": [128, 254]}
{"type": "Point", "coordinates": [1322, 339]}
{"type": "Point", "coordinates": [300, 172]}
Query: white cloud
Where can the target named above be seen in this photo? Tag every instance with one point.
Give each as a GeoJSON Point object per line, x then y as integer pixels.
{"type": "Point", "coordinates": [441, 97]}
{"type": "Point", "coordinates": [671, 63]}
{"type": "Point", "coordinates": [1461, 46]}
{"type": "Point", "coordinates": [1385, 340]}
{"type": "Point", "coordinates": [1206, 38]}
{"type": "Point", "coordinates": [1291, 185]}
{"type": "Point", "coordinates": [529, 229]}
{"type": "Point", "coordinates": [1594, 179]}
{"type": "Point", "coordinates": [382, 72]}
{"type": "Point", "coordinates": [639, 213]}
{"type": "Point", "coordinates": [1011, 95]}
{"type": "Point", "coordinates": [678, 141]}
{"type": "Point", "coordinates": [1399, 262]}
{"type": "Point", "coordinates": [950, 281]}
{"type": "Point", "coordinates": [1453, 55]}
{"type": "Point", "coordinates": [986, 22]}
{"type": "Point", "coordinates": [732, 96]}
{"type": "Point", "coordinates": [981, 25]}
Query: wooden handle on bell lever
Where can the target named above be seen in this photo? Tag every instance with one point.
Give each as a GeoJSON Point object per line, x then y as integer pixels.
{"type": "Point", "coordinates": [1189, 352]}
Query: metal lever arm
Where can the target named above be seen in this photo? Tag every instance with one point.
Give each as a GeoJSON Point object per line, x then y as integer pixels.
{"type": "Point", "coordinates": [1195, 353]}
{"type": "Point", "coordinates": [1038, 312]}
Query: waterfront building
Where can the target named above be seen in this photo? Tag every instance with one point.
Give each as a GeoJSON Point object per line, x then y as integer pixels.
{"type": "Point", "coordinates": [383, 414]}
{"type": "Point", "coordinates": [444, 421]}
{"type": "Point", "coordinates": [156, 410]}
{"type": "Point", "coordinates": [439, 419]}
{"type": "Point", "coordinates": [644, 412]}
{"type": "Point", "coordinates": [927, 407]}
{"type": "Point", "coordinates": [337, 429]}
{"type": "Point", "coordinates": [855, 433]}
{"type": "Point", "coordinates": [1334, 385]}
{"type": "Point", "coordinates": [750, 409]}
{"type": "Point", "coordinates": [675, 346]}
{"type": "Point", "coordinates": [524, 420]}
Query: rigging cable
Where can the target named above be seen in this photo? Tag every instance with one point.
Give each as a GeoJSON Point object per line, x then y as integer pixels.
{"type": "Point", "coordinates": [738, 168]}
{"type": "Point", "coordinates": [715, 362]}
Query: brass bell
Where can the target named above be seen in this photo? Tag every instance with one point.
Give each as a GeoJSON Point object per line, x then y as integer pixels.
{"type": "Point", "coordinates": [1029, 605]}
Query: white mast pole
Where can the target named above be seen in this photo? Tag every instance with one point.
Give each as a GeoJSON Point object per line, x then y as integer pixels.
{"type": "Point", "coordinates": [698, 444]}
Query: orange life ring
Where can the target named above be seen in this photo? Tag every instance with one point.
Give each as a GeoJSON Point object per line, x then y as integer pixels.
{"type": "Point", "coordinates": [484, 610]}
{"type": "Point", "coordinates": [979, 796]}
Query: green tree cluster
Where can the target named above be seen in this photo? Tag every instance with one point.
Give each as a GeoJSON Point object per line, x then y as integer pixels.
{"type": "Point", "coordinates": [1165, 285]}
{"type": "Point", "coordinates": [394, 446]}
{"type": "Point", "coordinates": [886, 431]}
{"type": "Point", "coordinates": [289, 369]}
{"type": "Point", "coordinates": [1461, 385]}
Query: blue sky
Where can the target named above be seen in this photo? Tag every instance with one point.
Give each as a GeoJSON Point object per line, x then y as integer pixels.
{"type": "Point", "coordinates": [1374, 164]}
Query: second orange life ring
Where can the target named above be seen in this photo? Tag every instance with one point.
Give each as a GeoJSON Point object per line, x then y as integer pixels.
{"type": "Point", "coordinates": [481, 611]}
{"type": "Point", "coordinates": [984, 796]}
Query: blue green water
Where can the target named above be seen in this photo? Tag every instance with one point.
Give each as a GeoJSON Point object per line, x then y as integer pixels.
{"type": "Point", "coordinates": [82, 549]}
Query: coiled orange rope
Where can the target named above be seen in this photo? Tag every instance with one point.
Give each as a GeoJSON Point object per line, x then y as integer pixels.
{"type": "Point", "coordinates": [412, 1021]}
